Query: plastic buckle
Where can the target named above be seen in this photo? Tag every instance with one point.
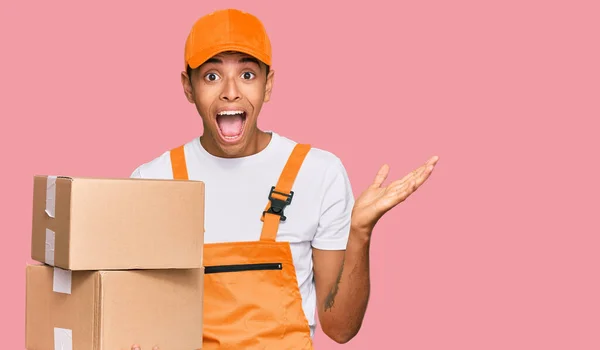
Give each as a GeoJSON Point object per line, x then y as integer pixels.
{"type": "Point", "coordinates": [277, 205]}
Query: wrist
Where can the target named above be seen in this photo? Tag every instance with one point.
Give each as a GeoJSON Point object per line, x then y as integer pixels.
{"type": "Point", "coordinates": [360, 234]}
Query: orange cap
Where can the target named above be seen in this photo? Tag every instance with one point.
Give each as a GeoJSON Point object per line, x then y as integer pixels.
{"type": "Point", "coordinates": [227, 30]}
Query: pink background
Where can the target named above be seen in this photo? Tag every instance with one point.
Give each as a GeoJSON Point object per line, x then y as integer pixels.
{"type": "Point", "coordinates": [498, 250]}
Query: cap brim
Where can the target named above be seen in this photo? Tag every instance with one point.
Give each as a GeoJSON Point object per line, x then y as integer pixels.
{"type": "Point", "coordinates": [200, 57]}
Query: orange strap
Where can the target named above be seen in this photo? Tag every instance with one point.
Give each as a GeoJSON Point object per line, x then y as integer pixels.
{"type": "Point", "coordinates": [178, 163]}
{"type": "Point", "coordinates": [282, 192]}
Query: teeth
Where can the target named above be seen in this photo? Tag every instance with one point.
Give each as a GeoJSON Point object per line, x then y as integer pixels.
{"type": "Point", "coordinates": [230, 112]}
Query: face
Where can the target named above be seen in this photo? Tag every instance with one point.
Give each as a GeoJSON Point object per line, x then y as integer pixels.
{"type": "Point", "coordinates": [229, 91]}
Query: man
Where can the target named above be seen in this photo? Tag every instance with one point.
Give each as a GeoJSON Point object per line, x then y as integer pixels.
{"type": "Point", "coordinates": [285, 241]}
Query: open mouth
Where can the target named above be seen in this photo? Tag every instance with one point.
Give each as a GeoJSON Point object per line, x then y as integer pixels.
{"type": "Point", "coordinates": [231, 124]}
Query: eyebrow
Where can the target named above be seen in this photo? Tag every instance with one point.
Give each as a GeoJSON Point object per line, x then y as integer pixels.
{"type": "Point", "coordinates": [242, 60]}
{"type": "Point", "coordinates": [249, 59]}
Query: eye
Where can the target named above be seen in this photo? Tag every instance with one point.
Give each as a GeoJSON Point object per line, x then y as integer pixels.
{"type": "Point", "coordinates": [211, 77]}
{"type": "Point", "coordinates": [247, 75]}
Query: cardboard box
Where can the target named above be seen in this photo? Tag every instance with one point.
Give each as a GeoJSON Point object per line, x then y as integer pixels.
{"type": "Point", "coordinates": [112, 310]}
{"type": "Point", "coordinates": [117, 224]}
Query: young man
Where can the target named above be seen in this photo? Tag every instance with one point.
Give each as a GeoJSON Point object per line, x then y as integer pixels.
{"type": "Point", "coordinates": [285, 241]}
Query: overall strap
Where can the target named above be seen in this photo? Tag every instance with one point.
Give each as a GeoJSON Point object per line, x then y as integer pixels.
{"type": "Point", "coordinates": [281, 194]}
{"type": "Point", "coordinates": [178, 163]}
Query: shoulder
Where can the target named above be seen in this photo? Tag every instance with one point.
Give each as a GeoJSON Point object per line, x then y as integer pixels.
{"type": "Point", "coordinates": [331, 198]}
{"type": "Point", "coordinates": [158, 167]}
{"type": "Point", "coordinates": [320, 165]}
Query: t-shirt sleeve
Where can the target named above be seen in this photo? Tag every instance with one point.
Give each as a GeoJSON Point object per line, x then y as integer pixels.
{"type": "Point", "coordinates": [159, 169]}
{"type": "Point", "coordinates": [137, 174]}
{"type": "Point", "coordinates": [336, 209]}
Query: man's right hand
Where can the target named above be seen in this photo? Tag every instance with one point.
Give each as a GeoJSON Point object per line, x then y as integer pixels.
{"type": "Point", "coordinates": [137, 347]}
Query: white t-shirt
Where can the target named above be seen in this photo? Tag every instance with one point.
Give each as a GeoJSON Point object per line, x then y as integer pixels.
{"type": "Point", "coordinates": [237, 191]}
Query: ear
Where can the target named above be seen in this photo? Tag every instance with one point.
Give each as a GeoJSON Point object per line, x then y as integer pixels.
{"type": "Point", "coordinates": [187, 87]}
{"type": "Point", "coordinates": [269, 85]}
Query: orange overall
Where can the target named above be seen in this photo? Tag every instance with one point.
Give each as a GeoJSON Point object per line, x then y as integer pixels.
{"type": "Point", "coordinates": [251, 295]}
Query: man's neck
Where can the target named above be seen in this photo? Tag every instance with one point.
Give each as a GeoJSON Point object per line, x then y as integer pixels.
{"type": "Point", "coordinates": [259, 140]}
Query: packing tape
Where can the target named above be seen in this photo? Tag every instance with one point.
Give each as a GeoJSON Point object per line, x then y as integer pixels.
{"type": "Point", "coordinates": [50, 242]}
{"type": "Point", "coordinates": [63, 339]}
{"type": "Point", "coordinates": [61, 282]}
{"type": "Point", "coordinates": [51, 196]}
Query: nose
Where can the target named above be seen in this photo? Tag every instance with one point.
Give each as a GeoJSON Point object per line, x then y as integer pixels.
{"type": "Point", "coordinates": [230, 91]}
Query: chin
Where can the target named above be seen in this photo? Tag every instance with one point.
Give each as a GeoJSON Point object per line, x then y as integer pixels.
{"type": "Point", "coordinates": [235, 146]}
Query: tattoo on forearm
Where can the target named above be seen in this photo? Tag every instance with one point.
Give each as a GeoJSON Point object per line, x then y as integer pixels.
{"type": "Point", "coordinates": [330, 300]}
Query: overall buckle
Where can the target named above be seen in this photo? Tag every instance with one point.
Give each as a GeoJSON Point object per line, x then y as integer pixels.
{"type": "Point", "coordinates": [277, 205]}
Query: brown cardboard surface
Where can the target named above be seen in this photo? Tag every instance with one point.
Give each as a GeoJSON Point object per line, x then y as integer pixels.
{"type": "Point", "coordinates": [112, 310]}
{"type": "Point", "coordinates": [118, 224]}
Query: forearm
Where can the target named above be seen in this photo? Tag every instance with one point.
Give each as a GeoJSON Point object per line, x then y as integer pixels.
{"type": "Point", "coordinates": [346, 304]}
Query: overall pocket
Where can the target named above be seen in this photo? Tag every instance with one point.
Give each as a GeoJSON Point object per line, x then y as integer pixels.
{"type": "Point", "coordinates": [245, 305]}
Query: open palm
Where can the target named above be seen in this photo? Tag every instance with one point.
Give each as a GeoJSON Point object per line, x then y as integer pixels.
{"type": "Point", "coordinates": [377, 200]}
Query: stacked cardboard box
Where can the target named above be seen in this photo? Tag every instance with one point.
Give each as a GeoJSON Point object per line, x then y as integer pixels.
{"type": "Point", "coordinates": [120, 262]}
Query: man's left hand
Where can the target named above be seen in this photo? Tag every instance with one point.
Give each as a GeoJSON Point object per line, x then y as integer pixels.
{"type": "Point", "coordinates": [377, 200]}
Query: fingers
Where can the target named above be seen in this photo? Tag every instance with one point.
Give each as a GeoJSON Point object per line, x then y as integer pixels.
{"type": "Point", "coordinates": [399, 190]}
{"type": "Point", "coordinates": [408, 177]}
{"type": "Point", "coordinates": [411, 182]}
{"type": "Point", "coordinates": [137, 347]}
{"type": "Point", "coordinates": [420, 174]}
{"type": "Point", "coordinates": [381, 175]}
{"type": "Point", "coordinates": [418, 179]}
{"type": "Point", "coordinates": [433, 160]}
{"type": "Point", "coordinates": [406, 191]}
{"type": "Point", "coordinates": [423, 176]}
{"type": "Point", "coordinates": [425, 168]}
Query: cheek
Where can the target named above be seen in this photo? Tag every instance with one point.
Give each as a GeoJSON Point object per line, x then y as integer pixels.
{"type": "Point", "coordinates": [255, 94]}
{"type": "Point", "coordinates": [204, 99]}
